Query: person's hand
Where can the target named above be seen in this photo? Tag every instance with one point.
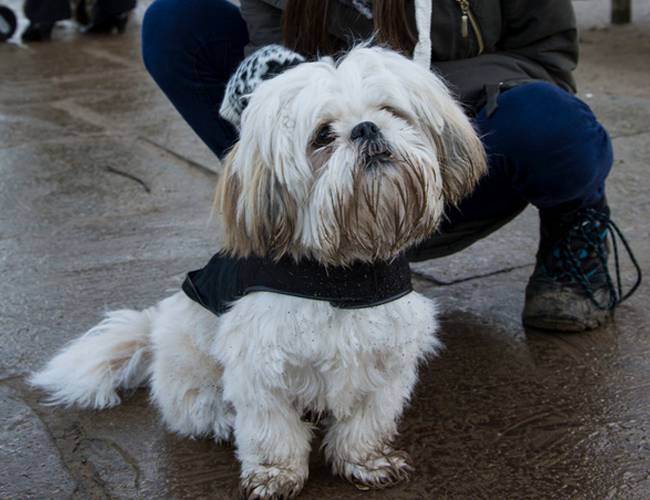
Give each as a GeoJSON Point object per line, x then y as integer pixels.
{"type": "Point", "coordinates": [261, 65]}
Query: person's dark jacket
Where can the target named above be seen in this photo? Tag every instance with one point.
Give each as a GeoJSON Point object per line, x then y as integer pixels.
{"type": "Point", "coordinates": [513, 41]}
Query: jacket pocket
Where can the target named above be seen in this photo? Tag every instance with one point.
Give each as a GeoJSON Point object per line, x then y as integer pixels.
{"type": "Point", "coordinates": [494, 90]}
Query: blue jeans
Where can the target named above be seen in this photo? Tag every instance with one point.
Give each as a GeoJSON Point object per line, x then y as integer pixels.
{"type": "Point", "coordinates": [545, 146]}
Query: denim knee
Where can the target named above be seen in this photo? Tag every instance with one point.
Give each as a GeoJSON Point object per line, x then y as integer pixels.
{"type": "Point", "coordinates": [559, 151]}
{"type": "Point", "coordinates": [173, 28]}
{"type": "Point", "coordinates": [158, 29]}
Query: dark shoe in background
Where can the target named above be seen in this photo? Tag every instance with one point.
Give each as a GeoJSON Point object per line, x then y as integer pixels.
{"type": "Point", "coordinates": [37, 32]}
{"type": "Point", "coordinates": [81, 13]}
{"type": "Point", "coordinates": [108, 25]}
{"type": "Point", "coordinates": [571, 288]}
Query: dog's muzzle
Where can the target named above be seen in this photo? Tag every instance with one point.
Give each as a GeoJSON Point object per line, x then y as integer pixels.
{"type": "Point", "coordinates": [372, 144]}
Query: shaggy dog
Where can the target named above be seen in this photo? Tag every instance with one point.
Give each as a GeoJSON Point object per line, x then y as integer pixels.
{"type": "Point", "coordinates": [339, 162]}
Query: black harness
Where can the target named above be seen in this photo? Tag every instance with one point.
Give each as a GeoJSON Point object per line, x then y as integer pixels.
{"type": "Point", "coordinates": [226, 279]}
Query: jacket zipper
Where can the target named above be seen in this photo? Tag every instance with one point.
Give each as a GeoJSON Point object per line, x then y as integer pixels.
{"type": "Point", "coordinates": [467, 17]}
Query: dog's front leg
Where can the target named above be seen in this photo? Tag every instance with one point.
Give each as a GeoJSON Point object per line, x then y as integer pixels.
{"type": "Point", "coordinates": [357, 445]}
{"type": "Point", "coordinates": [273, 443]}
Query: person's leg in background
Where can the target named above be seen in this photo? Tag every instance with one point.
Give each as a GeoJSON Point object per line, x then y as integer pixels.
{"type": "Point", "coordinates": [42, 15]}
{"type": "Point", "coordinates": [546, 148]}
{"type": "Point", "coordinates": [103, 16]}
{"type": "Point", "coordinates": [190, 48]}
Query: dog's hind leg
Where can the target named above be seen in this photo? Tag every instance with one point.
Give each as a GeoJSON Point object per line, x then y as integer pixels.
{"type": "Point", "coordinates": [186, 382]}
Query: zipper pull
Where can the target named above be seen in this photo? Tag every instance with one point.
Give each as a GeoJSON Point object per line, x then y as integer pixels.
{"type": "Point", "coordinates": [464, 18]}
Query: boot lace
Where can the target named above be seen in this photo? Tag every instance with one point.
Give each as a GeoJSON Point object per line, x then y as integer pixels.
{"type": "Point", "coordinates": [582, 257]}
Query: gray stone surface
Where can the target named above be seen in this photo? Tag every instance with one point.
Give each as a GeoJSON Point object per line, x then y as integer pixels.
{"type": "Point", "coordinates": [598, 12]}
{"type": "Point", "coordinates": [104, 203]}
{"type": "Point", "coordinates": [30, 463]}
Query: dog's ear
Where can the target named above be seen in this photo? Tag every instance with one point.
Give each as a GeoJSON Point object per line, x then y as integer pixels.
{"type": "Point", "coordinates": [460, 152]}
{"type": "Point", "coordinates": [226, 199]}
{"type": "Point", "coordinates": [258, 214]}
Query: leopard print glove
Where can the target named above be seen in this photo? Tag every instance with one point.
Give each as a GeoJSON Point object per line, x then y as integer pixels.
{"type": "Point", "coordinates": [261, 65]}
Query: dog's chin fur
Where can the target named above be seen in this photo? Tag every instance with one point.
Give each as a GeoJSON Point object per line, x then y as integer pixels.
{"type": "Point", "coordinates": [251, 373]}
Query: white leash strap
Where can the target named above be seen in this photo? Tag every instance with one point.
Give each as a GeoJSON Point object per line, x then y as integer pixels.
{"type": "Point", "coordinates": [422, 51]}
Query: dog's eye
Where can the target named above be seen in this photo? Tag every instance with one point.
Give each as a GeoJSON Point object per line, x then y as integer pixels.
{"type": "Point", "coordinates": [324, 136]}
{"type": "Point", "coordinates": [397, 112]}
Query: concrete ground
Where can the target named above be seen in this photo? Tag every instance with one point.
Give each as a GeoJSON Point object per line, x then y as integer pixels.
{"type": "Point", "coordinates": [104, 198]}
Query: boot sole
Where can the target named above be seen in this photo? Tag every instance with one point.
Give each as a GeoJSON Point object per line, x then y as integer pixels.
{"type": "Point", "coordinates": [566, 325]}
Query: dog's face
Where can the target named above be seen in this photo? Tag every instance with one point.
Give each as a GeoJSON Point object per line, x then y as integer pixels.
{"type": "Point", "coordinates": [348, 160]}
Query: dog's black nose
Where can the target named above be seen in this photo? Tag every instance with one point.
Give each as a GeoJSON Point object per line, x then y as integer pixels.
{"type": "Point", "coordinates": [365, 130]}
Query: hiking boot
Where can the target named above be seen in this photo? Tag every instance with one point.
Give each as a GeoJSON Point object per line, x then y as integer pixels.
{"type": "Point", "coordinates": [571, 289]}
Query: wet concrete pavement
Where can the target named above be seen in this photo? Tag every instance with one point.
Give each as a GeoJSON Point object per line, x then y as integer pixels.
{"type": "Point", "coordinates": [104, 200]}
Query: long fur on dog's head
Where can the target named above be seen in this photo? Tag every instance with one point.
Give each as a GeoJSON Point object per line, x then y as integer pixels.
{"type": "Point", "coordinates": [346, 160]}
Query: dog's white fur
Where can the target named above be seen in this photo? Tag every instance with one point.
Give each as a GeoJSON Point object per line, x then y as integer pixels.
{"type": "Point", "coordinates": [255, 370]}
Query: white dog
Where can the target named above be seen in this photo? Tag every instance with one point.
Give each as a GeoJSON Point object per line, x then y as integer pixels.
{"type": "Point", "coordinates": [339, 162]}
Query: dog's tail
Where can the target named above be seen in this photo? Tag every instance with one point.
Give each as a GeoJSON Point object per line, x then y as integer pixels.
{"type": "Point", "coordinates": [115, 354]}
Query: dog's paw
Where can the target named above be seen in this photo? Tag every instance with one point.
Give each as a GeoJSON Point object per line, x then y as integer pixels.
{"type": "Point", "coordinates": [379, 470]}
{"type": "Point", "coordinates": [272, 483]}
